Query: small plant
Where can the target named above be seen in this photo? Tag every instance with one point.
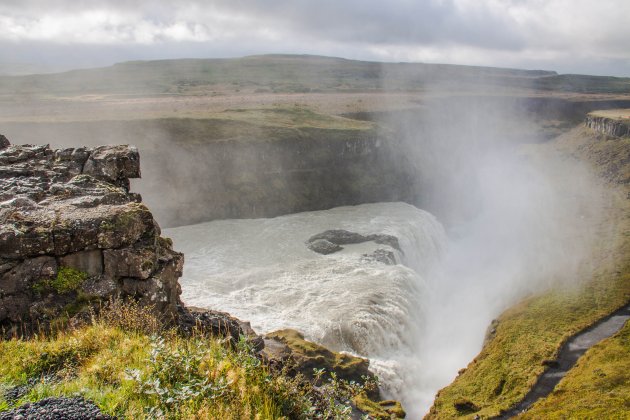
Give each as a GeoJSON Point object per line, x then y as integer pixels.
{"type": "Point", "coordinates": [317, 375]}
{"type": "Point", "coordinates": [129, 315]}
{"type": "Point", "coordinates": [175, 377]}
{"type": "Point", "coordinates": [67, 280]}
{"type": "Point", "coordinates": [338, 394]}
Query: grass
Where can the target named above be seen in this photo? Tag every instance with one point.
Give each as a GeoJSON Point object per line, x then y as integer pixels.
{"type": "Point", "coordinates": [526, 336]}
{"type": "Point", "coordinates": [597, 387]}
{"type": "Point", "coordinates": [252, 126]}
{"type": "Point", "coordinates": [293, 117]}
{"type": "Point", "coordinates": [618, 114]}
{"type": "Point", "coordinates": [291, 74]}
{"type": "Point", "coordinates": [99, 363]}
{"type": "Point", "coordinates": [276, 73]}
{"type": "Point", "coordinates": [131, 368]}
{"type": "Point", "coordinates": [533, 331]}
{"type": "Point", "coordinates": [584, 84]}
{"type": "Point", "coordinates": [271, 124]}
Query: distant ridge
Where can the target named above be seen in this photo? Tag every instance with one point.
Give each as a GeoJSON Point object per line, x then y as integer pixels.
{"type": "Point", "coordinates": [288, 73]}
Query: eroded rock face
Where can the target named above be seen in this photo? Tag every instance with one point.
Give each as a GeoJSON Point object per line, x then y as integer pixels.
{"type": "Point", "coordinates": [72, 233]}
{"type": "Point", "coordinates": [608, 126]}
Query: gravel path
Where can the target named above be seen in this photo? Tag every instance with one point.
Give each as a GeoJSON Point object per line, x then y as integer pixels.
{"type": "Point", "coordinates": [56, 409]}
{"type": "Point", "coordinates": [570, 352]}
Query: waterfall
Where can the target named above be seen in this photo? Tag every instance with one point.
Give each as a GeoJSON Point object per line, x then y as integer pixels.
{"type": "Point", "coordinates": [261, 270]}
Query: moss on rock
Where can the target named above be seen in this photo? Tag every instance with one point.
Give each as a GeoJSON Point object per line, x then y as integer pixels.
{"type": "Point", "coordinates": [307, 355]}
{"type": "Point", "coordinates": [68, 279]}
{"type": "Point", "coordinates": [387, 409]}
{"type": "Point", "coordinates": [289, 348]}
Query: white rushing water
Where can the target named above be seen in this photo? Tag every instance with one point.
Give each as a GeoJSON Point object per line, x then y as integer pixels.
{"type": "Point", "coordinates": [261, 270]}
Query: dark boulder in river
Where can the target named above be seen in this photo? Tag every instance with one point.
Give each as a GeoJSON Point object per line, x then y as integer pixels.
{"type": "Point", "coordinates": [330, 241]}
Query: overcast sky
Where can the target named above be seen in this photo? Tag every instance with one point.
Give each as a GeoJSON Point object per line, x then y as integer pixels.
{"type": "Point", "coordinates": [570, 36]}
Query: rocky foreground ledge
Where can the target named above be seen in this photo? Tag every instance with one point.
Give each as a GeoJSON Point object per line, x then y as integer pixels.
{"type": "Point", "coordinates": [73, 237]}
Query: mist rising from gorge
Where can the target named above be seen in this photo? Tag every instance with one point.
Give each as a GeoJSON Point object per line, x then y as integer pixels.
{"type": "Point", "coordinates": [520, 220]}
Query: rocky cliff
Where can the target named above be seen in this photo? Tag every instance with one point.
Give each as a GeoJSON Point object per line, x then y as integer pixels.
{"type": "Point", "coordinates": [72, 235]}
{"type": "Point", "coordinates": [608, 126]}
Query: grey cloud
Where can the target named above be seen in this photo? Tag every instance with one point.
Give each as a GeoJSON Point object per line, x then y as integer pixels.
{"type": "Point", "coordinates": [401, 22]}
{"type": "Point", "coordinates": [573, 35]}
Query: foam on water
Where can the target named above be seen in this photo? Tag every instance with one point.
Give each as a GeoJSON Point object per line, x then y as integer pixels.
{"type": "Point", "coordinates": [261, 270]}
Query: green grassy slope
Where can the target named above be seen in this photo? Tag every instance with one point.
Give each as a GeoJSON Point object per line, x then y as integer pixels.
{"type": "Point", "coordinates": [597, 387]}
{"type": "Point", "coordinates": [132, 374]}
{"type": "Point", "coordinates": [132, 368]}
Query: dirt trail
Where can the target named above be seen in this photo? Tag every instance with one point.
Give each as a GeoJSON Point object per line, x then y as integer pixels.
{"type": "Point", "coordinates": [570, 352]}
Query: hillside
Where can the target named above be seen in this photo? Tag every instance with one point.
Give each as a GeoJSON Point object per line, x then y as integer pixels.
{"type": "Point", "coordinates": [296, 74]}
{"type": "Point", "coordinates": [273, 73]}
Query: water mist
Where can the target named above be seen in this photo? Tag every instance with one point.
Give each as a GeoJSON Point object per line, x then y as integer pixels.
{"type": "Point", "coordinates": [519, 218]}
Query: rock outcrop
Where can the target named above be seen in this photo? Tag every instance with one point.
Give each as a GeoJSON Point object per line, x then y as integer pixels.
{"type": "Point", "coordinates": [288, 344]}
{"type": "Point", "coordinates": [330, 241]}
{"type": "Point", "coordinates": [289, 350]}
{"type": "Point", "coordinates": [608, 126]}
{"type": "Point", "coordinates": [221, 324]}
{"type": "Point", "coordinates": [71, 235]}
{"type": "Point", "coordinates": [382, 256]}
{"type": "Point", "coordinates": [323, 246]}
{"type": "Point", "coordinates": [53, 408]}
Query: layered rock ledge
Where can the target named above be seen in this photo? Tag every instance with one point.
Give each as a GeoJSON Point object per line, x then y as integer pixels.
{"type": "Point", "coordinates": [609, 126]}
{"type": "Point", "coordinates": [71, 234]}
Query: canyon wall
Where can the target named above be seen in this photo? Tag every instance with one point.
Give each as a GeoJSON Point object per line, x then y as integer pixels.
{"type": "Point", "coordinates": [192, 174]}
{"type": "Point", "coordinates": [196, 170]}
